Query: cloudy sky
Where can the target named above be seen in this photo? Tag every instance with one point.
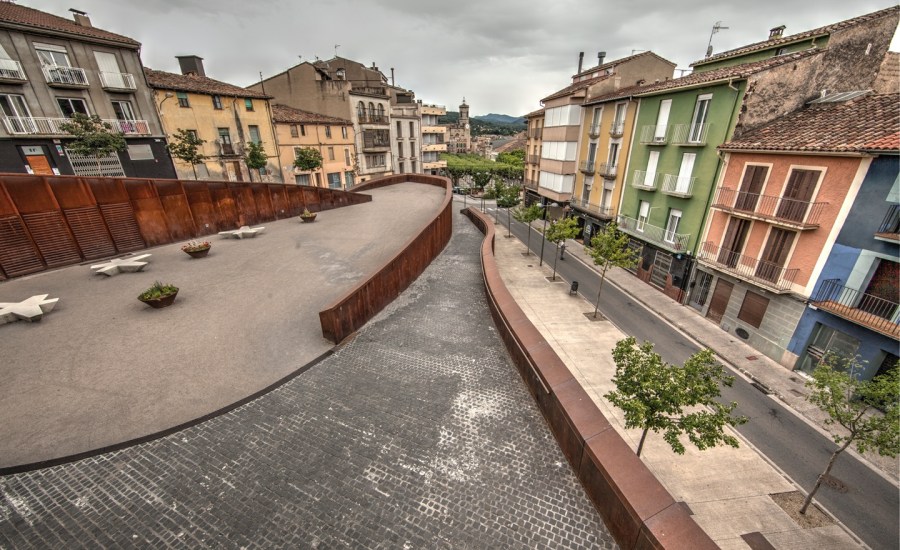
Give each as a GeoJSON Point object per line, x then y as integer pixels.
{"type": "Point", "coordinates": [502, 55]}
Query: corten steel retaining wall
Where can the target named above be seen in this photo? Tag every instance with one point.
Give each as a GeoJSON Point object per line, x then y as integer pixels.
{"type": "Point", "coordinates": [52, 221]}
{"type": "Point", "coordinates": [352, 310]}
{"type": "Point", "coordinates": [637, 509]}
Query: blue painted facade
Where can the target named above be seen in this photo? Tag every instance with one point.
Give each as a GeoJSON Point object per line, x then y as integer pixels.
{"type": "Point", "coordinates": [855, 246]}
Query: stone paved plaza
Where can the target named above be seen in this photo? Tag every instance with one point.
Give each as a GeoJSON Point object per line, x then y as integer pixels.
{"type": "Point", "coordinates": [418, 433]}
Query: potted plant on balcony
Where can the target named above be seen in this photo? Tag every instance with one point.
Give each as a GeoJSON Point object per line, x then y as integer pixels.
{"type": "Point", "coordinates": [159, 295]}
{"type": "Point", "coordinates": [197, 249]}
{"type": "Point", "coordinates": [308, 216]}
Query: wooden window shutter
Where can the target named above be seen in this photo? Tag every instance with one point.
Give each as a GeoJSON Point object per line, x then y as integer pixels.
{"type": "Point", "coordinates": [753, 309]}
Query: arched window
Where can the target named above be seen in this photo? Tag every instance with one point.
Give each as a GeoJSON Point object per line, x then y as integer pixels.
{"type": "Point", "coordinates": [360, 110]}
{"type": "Point", "coordinates": [371, 109]}
{"type": "Point", "coordinates": [381, 111]}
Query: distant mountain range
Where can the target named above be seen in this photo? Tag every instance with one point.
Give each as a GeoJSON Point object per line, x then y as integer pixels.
{"type": "Point", "coordinates": [501, 119]}
{"type": "Point", "coordinates": [488, 124]}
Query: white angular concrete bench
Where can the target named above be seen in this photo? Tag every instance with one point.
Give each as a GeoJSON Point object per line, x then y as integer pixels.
{"type": "Point", "coordinates": [32, 309]}
{"type": "Point", "coordinates": [244, 232]}
{"type": "Point", "coordinates": [130, 264]}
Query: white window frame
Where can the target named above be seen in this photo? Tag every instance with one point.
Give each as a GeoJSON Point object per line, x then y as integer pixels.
{"type": "Point", "coordinates": [643, 214]}
{"type": "Point", "coordinates": [701, 114]}
{"type": "Point", "coordinates": [672, 225]}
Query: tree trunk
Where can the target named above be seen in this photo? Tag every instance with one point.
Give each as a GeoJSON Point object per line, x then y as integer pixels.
{"type": "Point", "coordinates": [597, 305]}
{"type": "Point", "coordinates": [528, 240]}
{"type": "Point", "coordinates": [821, 477]}
{"type": "Point", "coordinates": [194, 168]}
{"type": "Point", "coordinates": [555, 259]}
{"type": "Point", "coordinates": [508, 225]}
{"type": "Point", "coordinates": [641, 444]}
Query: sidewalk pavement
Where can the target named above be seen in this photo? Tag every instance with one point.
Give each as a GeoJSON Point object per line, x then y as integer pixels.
{"type": "Point", "coordinates": [726, 489]}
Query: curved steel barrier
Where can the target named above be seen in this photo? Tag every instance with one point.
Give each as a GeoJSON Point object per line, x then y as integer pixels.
{"type": "Point", "coordinates": [637, 509]}
{"type": "Point", "coordinates": [352, 310]}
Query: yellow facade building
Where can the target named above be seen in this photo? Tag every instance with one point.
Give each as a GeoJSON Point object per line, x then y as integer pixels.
{"type": "Point", "coordinates": [332, 137]}
{"type": "Point", "coordinates": [224, 116]}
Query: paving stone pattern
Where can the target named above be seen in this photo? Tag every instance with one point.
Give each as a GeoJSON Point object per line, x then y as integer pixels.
{"type": "Point", "coordinates": [417, 434]}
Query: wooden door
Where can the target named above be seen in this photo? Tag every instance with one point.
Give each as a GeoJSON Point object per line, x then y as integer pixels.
{"type": "Point", "coordinates": [797, 194]}
{"type": "Point", "coordinates": [751, 186]}
{"type": "Point", "coordinates": [775, 254]}
{"type": "Point", "coordinates": [39, 165]}
{"type": "Point", "coordinates": [733, 243]}
{"type": "Point", "coordinates": [719, 302]}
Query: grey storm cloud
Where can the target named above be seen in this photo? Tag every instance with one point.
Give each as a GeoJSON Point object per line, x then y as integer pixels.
{"type": "Point", "coordinates": [502, 55]}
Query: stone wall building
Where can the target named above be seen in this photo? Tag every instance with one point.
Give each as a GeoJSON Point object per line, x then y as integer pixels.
{"type": "Point", "coordinates": [332, 137]}
{"type": "Point", "coordinates": [459, 135]}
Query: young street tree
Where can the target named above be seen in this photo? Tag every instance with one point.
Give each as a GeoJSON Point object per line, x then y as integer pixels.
{"type": "Point", "coordinates": [508, 198]}
{"type": "Point", "coordinates": [654, 396]}
{"type": "Point", "coordinates": [255, 157]}
{"type": "Point", "coordinates": [609, 248]}
{"type": "Point", "coordinates": [93, 138]}
{"type": "Point", "coordinates": [308, 159]}
{"type": "Point", "coordinates": [185, 146]}
{"type": "Point", "coordinates": [558, 232]}
{"type": "Point", "coordinates": [851, 403]}
{"type": "Point", "coordinates": [526, 215]}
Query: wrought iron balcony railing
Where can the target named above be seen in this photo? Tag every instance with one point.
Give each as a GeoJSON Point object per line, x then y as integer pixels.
{"type": "Point", "coordinates": [690, 134]}
{"type": "Point", "coordinates": [781, 210]}
{"type": "Point", "coordinates": [676, 242]}
{"type": "Point", "coordinates": [535, 133]}
{"type": "Point", "coordinates": [533, 159]}
{"type": "Point", "coordinates": [53, 126]}
{"type": "Point", "coordinates": [12, 70]}
{"type": "Point", "coordinates": [864, 309]}
{"type": "Point", "coordinates": [129, 127]}
{"type": "Point", "coordinates": [655, 135]}
{"type": "Point", "coordinates": [679, 186]}
{"type": "Point", "coordinates": [642, 180]}
{"type": "Point", "coordinates": [65, 76]}
{"type": "Point", "coordinates": [890, 225]}
{"type": "Point", "coordinates": [371, 118]}
{"type": "Point", "coordinates": [617, 129]}
{"type": "Point", "coordinates": [117, 81]}
{"type": "Point", "coordinates": [587, 166]}
{"type": "Point", "coordinates": [594, 130]}
{"type": "Point", "coordinates": [769, 275]}
{"type": "Point", "coordinates": [607, 169]}
{"type": "Point", "coordinates": [603, 212]}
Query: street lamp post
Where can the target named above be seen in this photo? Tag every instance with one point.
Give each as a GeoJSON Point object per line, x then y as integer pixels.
{"type": "Point", "coordinates": [544, 232]}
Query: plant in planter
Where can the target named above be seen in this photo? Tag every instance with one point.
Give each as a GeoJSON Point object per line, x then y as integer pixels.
{"type": "Point", "coordinates": [197, 249]}
{"type": "Point", "coordinates": [308, 216]}
{"type": "Point", "coordinates": [159, 295]}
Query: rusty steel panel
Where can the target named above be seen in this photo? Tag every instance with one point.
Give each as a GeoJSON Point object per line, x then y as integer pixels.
{"type": "Point", "coordinates": [226, 210]}
{"type": "Point", "coordinates": [30, 194]}
{"type": "Point", "coordinates": [264, 209]}
{"type": "Point", "coordinates": [295, 199]}
{"type": "Point", "coordinates": [123, 226]}
{"type": "Point", "coordinates": [90, 232]}
{"type": "Point", "coordinates": [201, 205]}
{"type": "Point", "coordinates": [148, 211]}
{"type": "Point", "coordinates": [70, 192]}
{"type": "Point", "coordinates": [246, 206]}
{"type": "Point", "coordinates": [107, 190]}
{"type": "Point", "coordinates": [52, 237]}
{"type": "Point", "coordinates": [280, 205]}
{"type": "Point", "coordinates": [178, 216]}
{"type": "Point", "coordinates": [18, 255]}
{"type": "Point", "coordinates": [311, 198]}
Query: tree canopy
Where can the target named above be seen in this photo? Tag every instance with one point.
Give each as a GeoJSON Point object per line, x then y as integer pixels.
{"type": "Point", "coordinates": [480, 170]}
{"type": "Point", "coordinates": [185, 146]}
{"type": "Point", "coordinates": [93, 137]}
{"type": "Point", "coordinates": [308, 159]}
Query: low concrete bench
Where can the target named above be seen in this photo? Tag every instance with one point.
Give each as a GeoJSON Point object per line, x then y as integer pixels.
{"type": "Point", "coordinates": [32, 309]}
{"type": "Point", "coordinates": [130, 264]}
{"type": "Point", "coordinates": [244, 232]}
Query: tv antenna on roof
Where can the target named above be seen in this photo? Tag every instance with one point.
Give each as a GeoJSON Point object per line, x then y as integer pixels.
{"type": "Point", "coordinates": [716, 28]}
{"type": "Point", "coordinates": [336, 46]}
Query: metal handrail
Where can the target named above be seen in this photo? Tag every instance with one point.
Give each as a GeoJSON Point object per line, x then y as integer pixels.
{"type": "Point", "coordinates": [748, 268]}
{"type": "Point", "coordinates": [771, 207]}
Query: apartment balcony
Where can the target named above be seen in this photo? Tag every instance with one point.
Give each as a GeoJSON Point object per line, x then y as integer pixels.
{"type": "Point", "coordinates": [117, 81]}
{"type": "Point", "coordinates": [690, 134]}
{"type": "Point", "coordinates": [747, 268]}
{"type": "Point", "coordinates": [594, 131]}
{"type": "Point", "coordinates": [674, 242]}
{"type": "Point", "coordinates": [530, 184]}
{"type": "Point", "coordinates": [777, 210]}
{"type": "Point", "coordinates": [642, 180]}
{"type": "Point", "coordinates": [11, 72]}
{"type": "Point", "coordinates": [434, 110]}
{"type": "Point", "coordinates": [652, 134]}
{"type": "Point", "coordinates": [65, 77]}
{"type": "Point", "coordinates": [369, 90]}
{"type": "Point", "coordinates": [376, 147]}
{"type": "Point", "coordinates": [889, 230]}
{"type": "Point", "coordinates": [587, 166]}
{"type": "Point", "coordinates": [228, 149]}
{"type": "Point", "coordinates": [536, 133]}
{"type": "Point", "coordinates": [130, 127]}
{"type": "Point", "coordinates": [857, 307]}
{"type": "Point", "coordinates": [602, 212]}
{"type": "Point", "coordinates": [533, 159]}
{"type": "Point", "coordinates": [607, 170]}
{"type": "Point", "coordinates": [434, 165]}
{"type": "Point", "coordinates": [617, 129]}
{"type": "Point", "coordinates": [433, 129]}
{"type": "Point", "coordinates": [439, 147]}
{"type": "Point", "coordinates": [678, 186]}
{"type": "Point", "coordinates": [374, 119]}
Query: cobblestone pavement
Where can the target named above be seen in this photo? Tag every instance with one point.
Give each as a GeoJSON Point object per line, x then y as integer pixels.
{"type": "Point", "coordinates": [416, 434]}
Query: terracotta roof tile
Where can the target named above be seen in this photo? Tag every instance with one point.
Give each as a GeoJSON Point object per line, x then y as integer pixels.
{"type": "Point", "coordinates": [572, 88]}
{"type": "Point", "coordinates": [828, 29]}
{"type": "Point", "coordinates": [867, 123]}
{"type": "Point", "coordinates": [283, 113]}
{"type": "Point", "coordinates": [620, 61]}
{"type": "Point", "coordinates": [533, 114]}
{"type": "Point", "coordinates": [162, 80]}
{"type": "Point", "coordinates": [888, 80]}
{"type": "Point", "coordinates": [736, 72]}
{"type": "Point", "coordinates": [14, 14]}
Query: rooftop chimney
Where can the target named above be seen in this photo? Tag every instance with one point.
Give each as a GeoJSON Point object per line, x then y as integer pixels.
{"type": "Point", "coordinates": [191, 64]}
{"type": "Point", "coordinates": [580, 61]}
{"type": "Point", "coordinates": [80, 17]}
{"type": "Point", "coordinates": [392, 76]}
{"type": "Point", "coordinates": [776, 33]}
{"type": "Point", "coordinates": [600, 57]}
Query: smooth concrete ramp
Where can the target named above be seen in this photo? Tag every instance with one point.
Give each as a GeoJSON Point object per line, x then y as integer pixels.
{"type": "Point", "coordinates": [103, 368]}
